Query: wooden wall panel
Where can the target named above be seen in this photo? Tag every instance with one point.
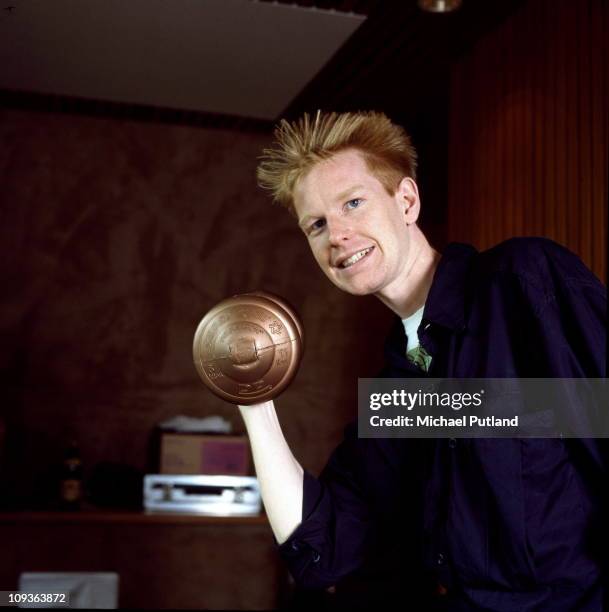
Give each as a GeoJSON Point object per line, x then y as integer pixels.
{"type": "Point", "coordinates": [528, 135]}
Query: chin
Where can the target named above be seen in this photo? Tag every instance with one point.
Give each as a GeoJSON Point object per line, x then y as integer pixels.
{"type": "Point", "coordinates": [363, 287]}
{"type": "Point", "coordinates": [358, 289]}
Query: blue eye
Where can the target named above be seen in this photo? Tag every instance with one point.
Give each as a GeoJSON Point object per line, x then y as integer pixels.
{"type": "Point", "coordinates": [351, 204]}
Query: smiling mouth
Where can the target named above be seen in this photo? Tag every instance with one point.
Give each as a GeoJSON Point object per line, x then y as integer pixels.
{"type": "Point", "coordinates": [356, 257]}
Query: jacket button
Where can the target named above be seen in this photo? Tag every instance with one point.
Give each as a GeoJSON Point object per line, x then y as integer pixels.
{"type": "Point", "coordinates": [295, 546]}
{"type": "Point", "coordinates": [452, 442]}
{"type": "Point", "coordinates": [440, 559]}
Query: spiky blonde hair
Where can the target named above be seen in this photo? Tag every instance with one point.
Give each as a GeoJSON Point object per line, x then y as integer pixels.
{"type": "Point", "coordinates": [298, 146]}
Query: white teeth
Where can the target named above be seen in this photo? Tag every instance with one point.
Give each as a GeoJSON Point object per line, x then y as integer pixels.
{"type": "Point", "coordinates": [356, 257]}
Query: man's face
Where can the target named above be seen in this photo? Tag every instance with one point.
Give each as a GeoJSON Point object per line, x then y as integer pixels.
{"type": "Point", "coordinates": [358, 232]}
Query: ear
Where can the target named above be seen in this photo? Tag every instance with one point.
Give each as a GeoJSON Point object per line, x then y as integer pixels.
{"type": "Point", "coordinates": [407, 195]}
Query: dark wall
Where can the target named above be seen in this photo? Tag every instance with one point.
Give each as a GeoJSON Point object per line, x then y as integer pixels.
{"type": "Point", "coordinates": [116, 237]}
{"type": "Point", "coordinates": [529, 131]}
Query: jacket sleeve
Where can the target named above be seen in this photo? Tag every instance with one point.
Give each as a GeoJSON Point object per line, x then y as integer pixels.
{"type": "Point", "coordinates": [567, 339]}
{"type": "Point", "coordinates": [573, 315]}
{"type": "Point", "coordinates": [573, 326]}
{"type": "Point", "coordinates": [362, 517]}
{"type": "Point", "coordinates": [330, 541]}
{"type": "Point", "coordinates": [565, 334]}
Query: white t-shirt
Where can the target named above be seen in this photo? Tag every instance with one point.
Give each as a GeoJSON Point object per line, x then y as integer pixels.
{"type": "Point", "coordinates": [411, 324]}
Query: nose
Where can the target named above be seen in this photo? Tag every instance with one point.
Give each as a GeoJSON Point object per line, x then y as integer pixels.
{"type": "Point", "coordinates": [338, 232]}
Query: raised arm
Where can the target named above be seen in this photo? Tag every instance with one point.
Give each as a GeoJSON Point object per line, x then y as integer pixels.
{"type": "Point", "coordinates": [279, 474]}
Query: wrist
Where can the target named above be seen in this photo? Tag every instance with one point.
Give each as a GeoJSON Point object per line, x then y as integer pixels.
{"type": "Point", "coordinates": [257, 411]}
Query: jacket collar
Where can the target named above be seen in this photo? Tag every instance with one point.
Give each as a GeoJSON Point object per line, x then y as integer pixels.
{"type": "Point", "coordinates": [445, 304]}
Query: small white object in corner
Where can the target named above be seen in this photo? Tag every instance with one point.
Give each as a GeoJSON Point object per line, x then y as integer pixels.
{"type": "Point", "coordinates": [96, 590]}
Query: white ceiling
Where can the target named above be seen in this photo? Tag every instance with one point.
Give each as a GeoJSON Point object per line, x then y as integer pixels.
{"type": "Point", "coordinates": [237, 57]}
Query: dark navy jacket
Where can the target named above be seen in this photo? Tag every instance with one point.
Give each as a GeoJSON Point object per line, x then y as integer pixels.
{"type": "Point", "coordinates": [500, 524]}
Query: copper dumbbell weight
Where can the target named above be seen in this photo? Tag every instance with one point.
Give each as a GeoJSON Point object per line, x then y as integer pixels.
{"type": "Point", "coordinates": [248, 347]}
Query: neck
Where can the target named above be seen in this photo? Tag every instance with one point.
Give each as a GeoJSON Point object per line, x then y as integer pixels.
{"type": "Point", "coordinates": [415, 282]}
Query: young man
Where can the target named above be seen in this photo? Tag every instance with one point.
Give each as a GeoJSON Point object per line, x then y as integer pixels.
{"type": "Point", "coordinates": [471, 524]}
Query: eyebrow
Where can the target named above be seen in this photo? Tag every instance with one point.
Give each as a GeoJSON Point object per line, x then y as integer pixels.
{"type": "Point", "coordinates": [345, 194]}
{"type": "Point", "coordinates": [339, 198]}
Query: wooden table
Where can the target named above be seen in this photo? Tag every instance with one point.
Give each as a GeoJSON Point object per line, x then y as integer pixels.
{"type": "Point", "coordinates": [164, 560]}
